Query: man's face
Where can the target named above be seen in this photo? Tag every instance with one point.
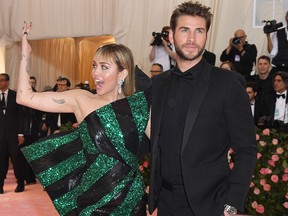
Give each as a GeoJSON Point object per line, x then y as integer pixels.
{"type": "Point", "coordinates": [263, 66]}
{"type": "Point", "coordinates": [3, 83]}
{"type": "Point", "coordinates": [155, 70]}
{"type": "Point", "coordinates": [251, 93]}
{"type": "Point", "coordinates": [240, 34]}
{"type": "Point", "coordinates": [62, 85]}
{"type": "Point", "coordinates": [279, 84]}
{"type": "Point", "coordinates": [32, 83]}
{"type": "Point", "coordinates": [189, 37]}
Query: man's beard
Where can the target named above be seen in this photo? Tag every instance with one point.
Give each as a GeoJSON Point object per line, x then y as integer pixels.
{"type": "Point", "coordinates": [182, 56]}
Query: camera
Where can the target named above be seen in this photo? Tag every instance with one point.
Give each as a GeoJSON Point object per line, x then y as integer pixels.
{"type": "Point", "coordinates": [236, 40]}
{"type": "Point", "coordinates": [271, 26]}
{"type": "Point", "coordinates": [158, 37]}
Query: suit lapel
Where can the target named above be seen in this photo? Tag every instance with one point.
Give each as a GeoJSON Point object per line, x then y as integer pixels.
{"type": "Point", "coordinates": [201, 88]}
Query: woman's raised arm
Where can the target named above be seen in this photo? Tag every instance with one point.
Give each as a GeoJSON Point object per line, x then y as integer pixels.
{"type": "Point", "coordinates": [46, 101]}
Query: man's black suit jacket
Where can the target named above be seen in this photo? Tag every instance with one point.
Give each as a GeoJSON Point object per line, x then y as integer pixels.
{"type": "Point", "coordinates": [11, 124]}
{"type": "Point", "coordinates": [219, 117]}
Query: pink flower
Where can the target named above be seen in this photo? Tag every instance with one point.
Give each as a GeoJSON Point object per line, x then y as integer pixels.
{"type": "Point", "coordinates": [286, 170]}
{"type": "Point", "coordinates": [262, 181]}
{"type": "Point", "coordinates": [231, 165]}
{"type": "Point", "coordinates": [275, 141]}
{"type": "Point", "coordinates": [275, 157]}
{"type": "Point", "coordinates": [260, 209]}
{"type": "Point", "coordinates": [252, 184]}
{"type": "Point", "coordinates": [271, 163]}
{"type": "Point", "coordinates": [285, 177]}
{"type": "Point", "coordinates": [259, 155]}
{"type": "Point", "coordinates": [262, 143]}
{"type": "Point", "coordinates": [145, 164]}
{"type": "Point", "coordinates": [274, 178]}
{"type": "Point", "coordinates": [286, 195]}
{"type": "Point", "coordinates": [269, 171]}
{"type": "Point", "coordinates": [279, 150]}
{"type": "Point", "coordinates": [75, 125]}
{"type": "Point", "coordinates": [266, 132]}
{"type": "Point", "coordinates": [254, 205]}
{"type": "Point", "coordinates": [256, 191]}
{"type": "Point", "coordinates": [266, 187]}
{"type": "Point", "coordinates": [285, 204]}
{"type": "Point", "coordinates": [257, 137]}
{"type": "Point", "coordinates": [231, 151]}
{"type": "Point", "coordinates": [141, 168]}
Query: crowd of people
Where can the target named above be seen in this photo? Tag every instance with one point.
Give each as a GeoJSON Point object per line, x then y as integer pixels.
{"type": "Point", "coordinates": [188, 108]}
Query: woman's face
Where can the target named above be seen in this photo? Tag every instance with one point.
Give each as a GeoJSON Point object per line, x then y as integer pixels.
{"type": "Point", "coordinates": [106, 75]}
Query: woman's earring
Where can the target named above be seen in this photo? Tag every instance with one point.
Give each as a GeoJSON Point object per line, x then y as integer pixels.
{"type": "Point", "coordinates": [120, 83]}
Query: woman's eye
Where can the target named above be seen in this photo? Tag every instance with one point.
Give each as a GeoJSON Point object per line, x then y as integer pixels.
{"type": "Point", "coordinates": [104, 67]}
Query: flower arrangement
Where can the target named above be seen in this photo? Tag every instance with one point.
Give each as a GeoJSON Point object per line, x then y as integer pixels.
{"type": "Point", "coordinates": [145, 168]}
{"type": "Point", "coordinates": [268, 193]}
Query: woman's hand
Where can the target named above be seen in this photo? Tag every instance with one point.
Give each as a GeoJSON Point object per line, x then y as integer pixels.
{"type": "Point", "coordinates": [26, 48]}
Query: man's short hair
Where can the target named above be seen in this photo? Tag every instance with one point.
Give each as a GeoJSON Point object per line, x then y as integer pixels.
{"type": "Point", "coordinates": [251, 85]}
{"type": "Point", "coordinates": [191, 9]}
{"type": "Point", "coordinates": [68, 83]}
{"type": "Point", "coordinates": [265, 58]}
{"type": "Point", "coordinates": [7, 78]}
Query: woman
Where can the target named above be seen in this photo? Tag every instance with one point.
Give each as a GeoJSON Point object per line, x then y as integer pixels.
{"type": "Point", "coordinates": [94, 169]}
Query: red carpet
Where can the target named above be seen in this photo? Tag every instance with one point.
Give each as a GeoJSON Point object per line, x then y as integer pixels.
{"type": "Point", "coordinates": [32, 202]}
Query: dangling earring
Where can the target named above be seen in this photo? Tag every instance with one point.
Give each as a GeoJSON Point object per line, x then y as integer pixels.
{"type": "Point", "coordinates": [120, 83]}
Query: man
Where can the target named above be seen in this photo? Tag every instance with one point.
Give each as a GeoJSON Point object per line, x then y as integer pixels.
{"type": "Point", "coordinates": [198, 113]}
{"type": "Point", "coordinates": [33, 82]}
{"type": "Point", "coordinates": [56, 120]}
{"type": "Point", "coordinates": [164, 53]}
{"type": "Point", "coordinates": [255, 103]}
{"type": "Point", "coordinates": [278, 48]}
{"type": "Point", "coordinates": [240, 53]}
{"type": "Point", "coordinates": [275, 105]}
{"type": "Point", "coordinates": [11, 134]}
{"type": "Point", "coordinates": [263, 79]}
{"type": "Point", "coordinates": [156, 69]}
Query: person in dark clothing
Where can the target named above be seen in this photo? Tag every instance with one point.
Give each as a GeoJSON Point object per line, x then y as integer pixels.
{"type": "Point", "coordinates": [240, 53]}
{"type": "Point", "coordinates": [278, 48]}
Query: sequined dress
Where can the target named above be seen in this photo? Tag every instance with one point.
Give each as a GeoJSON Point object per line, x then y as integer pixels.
{"type": "Point", "coordinates": [94, 169]}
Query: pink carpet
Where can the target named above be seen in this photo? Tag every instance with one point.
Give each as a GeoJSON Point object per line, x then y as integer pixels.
{"type": "Point", "coordinates": [32, 202]}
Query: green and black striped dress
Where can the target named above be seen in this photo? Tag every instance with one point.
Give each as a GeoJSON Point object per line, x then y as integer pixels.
{"type": "Point", "coordinates": [94, 170]}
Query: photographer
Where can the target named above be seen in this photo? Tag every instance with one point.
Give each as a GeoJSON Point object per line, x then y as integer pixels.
{"type": "Point", "coordinates": [278, 48]}
{"type": "Point", "coordinates": [240, 53]}
{"type": "Point", "coordinates": [162, 52]}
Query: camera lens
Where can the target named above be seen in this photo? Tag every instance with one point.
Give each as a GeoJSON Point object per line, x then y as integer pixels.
{"type": "Point", "coordinates": [236, 41]}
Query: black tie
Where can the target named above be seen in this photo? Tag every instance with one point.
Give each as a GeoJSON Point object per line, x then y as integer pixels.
{"type": "Point", "coordinates": [178, 74]}
{"type": "Point", "coordinates": [280, 95]}
{"type": "Point", "coordinates": [3, 103]}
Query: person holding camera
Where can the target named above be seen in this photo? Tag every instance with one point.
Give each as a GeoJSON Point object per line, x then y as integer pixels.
{"type": "Point", "coordinates": [277, 46]}
{"type": "Point", "coordinates": [162, 51]}
{"type": "Point", "coordinates": [240, 53]}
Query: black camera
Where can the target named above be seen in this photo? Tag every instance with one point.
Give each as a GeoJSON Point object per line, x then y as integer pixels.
{"type": "Point", "coordinates": [158, 37]}
{"type": "Point", "coordinates": [236, 40]}
{"type": "Point", "coordinates": [271, 26]}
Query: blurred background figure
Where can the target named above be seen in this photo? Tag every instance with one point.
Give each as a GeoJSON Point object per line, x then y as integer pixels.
{"type": "Point", "coordinates": [162, 52]}
{"type": "Point", "coordinates": [227, 66]}
{"type": "Point", "coordinates": [156, 69]}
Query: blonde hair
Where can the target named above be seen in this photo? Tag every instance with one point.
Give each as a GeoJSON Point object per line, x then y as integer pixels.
{"type": "Point", "coordinates": [123, 58]}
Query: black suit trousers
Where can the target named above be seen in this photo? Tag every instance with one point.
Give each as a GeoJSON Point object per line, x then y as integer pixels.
{"type": "Point", "coordinates": [9, 148]}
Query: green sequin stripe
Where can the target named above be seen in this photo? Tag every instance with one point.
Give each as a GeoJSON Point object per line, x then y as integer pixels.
{"type": "Point", "coordinates": [140, 111]}
{"type": "Point", "coordinates": [134, 195]}
{"type": "Point", "coordinates": [68, 201]}
{"type": "Point", "coordinates": [87, 142]}
{"type": "Point", "coordinates": [108, 118]}
{"type": "Point", "coordinates": [53, 174]}
{"type": "Point", "coordinates": [89, 210]}
{"type": "Point", "coordinates": [42, 148]}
